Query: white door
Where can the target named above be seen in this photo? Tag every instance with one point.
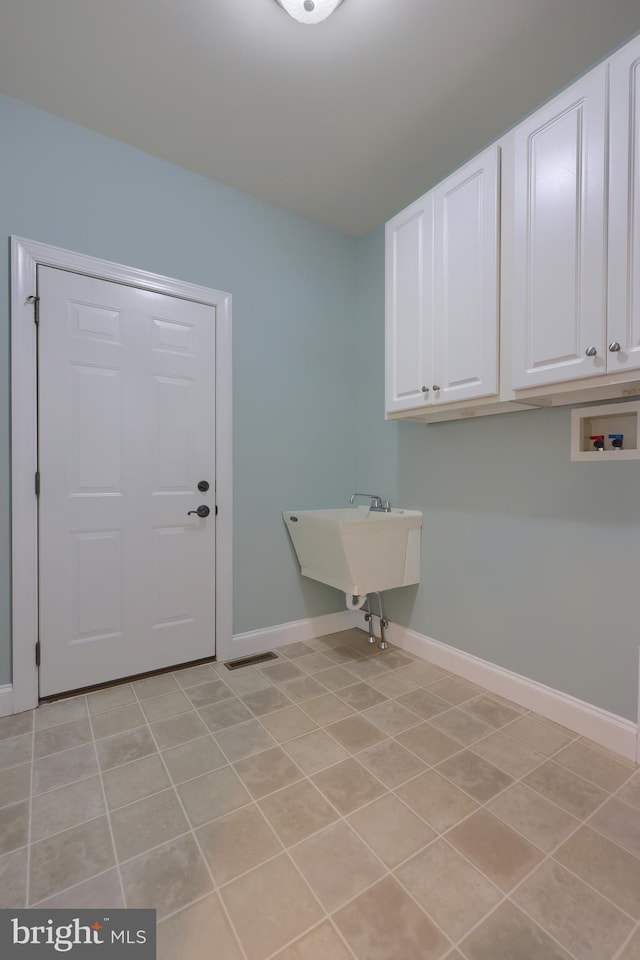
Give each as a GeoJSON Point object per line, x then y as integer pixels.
{"type": "Point", "coordinates": [559, 309]}
{"type": "Point", "coordinates": [466, 325]}
{"type": "Point", "coordinates": [409, 294]}
{"type": "Point", "coordinates": [623, 334]}
{"type": "Point", "coordinates": [126, 432]}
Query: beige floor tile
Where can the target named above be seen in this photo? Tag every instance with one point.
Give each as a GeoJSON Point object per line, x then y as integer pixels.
{"type": "Point", "coordinates": [334, 678]}
{"type": "Point", "coordinates": [61, 737]}
{"type": "Point", "coordinates": [508, 754]}
{"type": "Point", "coordinates": [569, 791]}
{"type": "Point", "coordinates": [134, 781]}
{"type": "Point", "coordinates": [280, 672]}
{"type": "Point", "coordinates": [267, 771]}
{"type": "Point", "coordinates": [391, 717]}
{"type": "Point", "coordinates": [613, 872]}
{"type": "Point", "coordinates": [168, 705]}
{"type": "Point", "coordinates": [220, 716]}
{"type": "Point", "coordinates": [355, 733]}
{"type": "Point", "coordinates": [190, 934]}
{"type": "Point", "coordinates": [366, 668]}
{"type": "Point", "coordinates": [342, 654]}
{"type": "Point", "coordinates": [266, 701]}
{"type": "Point", "coordinates": [147, 823]}
{"type": "Point", "coordinates": [294, 650]}
{"type": "Point", "coordinates": [323, 943]}
{"type": "Point", "coordinates": [69, 858]}
{"type": "Point", "coordinates": [117, 721]}
{"type": "Point", "coordinates": [348, 785]}
{"type": "Point", "coordinates": [212, 795]}
{"type": "Point", "coordinates": [327, 709]}
{"type": "Point", "coordinates": [454, 690]}
{"type": "Point", "coordinates": [315, 751]}
{"type": "Point", "coordinates": [192, 759]}
{"type": "Point", "coordinates": [422, 673]}
{"type": "Point", "coordinates": [245, 680]}
{"type": "Point", "coordinates": [490, 711]}
{"type": "Point", "coordinates": [14, 826]}
{"type": "Point", "coordinates": [361, 696]}
{"type": "Point", "coordinates": [302, 689]}
{"type": "Point", "coordinates": [603, 771]}
{"type": "Point", "coordinates": [393, 659]}
{"type": "Point", "coordinates": [384, 923]}
{"type": "Point", "coordinates": [578, 917]}
{"type": "Point", "coordinates": [509, 934]}
{"type": "Point", "coordinates": [423, 703]}
{"type": "Point", "coordinates": [288, 723]}
{"type": "Point", "coordinates": [630, 793]}
{"type": "Point", "coordinates": [16, 724]}
{"type": "Point", "coordinates": [236, 843]}
{"type": "Point", "coordinates": [392, 763]}
{"type": "Point", "coordinates": [155, 686]}
{"type": "Point", "coordinates": [476, 776]}
{"type": "Point", "coordinates": [392, 685]}
{"type": "Point", "coordinates": [608, 753]}
{"type": "Point", "coordinates": [13, 879]}
{"type": "Point", "coordinates": [61, 768]}
{"type": "Point", "coordinates": [193, 676]}
{"type": "Point", "coordinates": [61, 711]}
{"type": "Point", "coordinates": [297, 811]}
{"type": "Point", "coordinates": [452, 892]}
{"type": "Point", "coordinates": [436, 800]}
{"type": "Point", "coordinates": [179, 729]}
{"type": "Point", "coordinates": [16, 750]}
{"type": "Point", "coordinates": [497, 850]}
{"type": "Point", "coordinates": [109, 699]}
{"type": "Point", "coordinates": [429, 744]}
{"type": "Point", "coordinates": [530, 814]}
{"type": "Point", "coordinates": [520, 710]}
{"type": "Point", "coordinates": [167, 878]}
{"type": "Point", "coordinates": [282, 907]}
{"type": "Point", "coordinates": [214, 691]}
{"type": "Point", "coordinates": [620, 822]}
{"type": "Point", "coordinates": [337, 865]}
{"type": "Point", "coordinates": [124, 747]}
{"type": "Point", "coordinates": [101, 891]}
{"type": "Point", "coordinates": [391, 830]}
{"type": "Point", "coordinates": [66, 807]}
{"type": "Point", "coordinates": [15, 784]}
{"type": "Point", "coordinates": [462, 726]}
{"type": "Point", "coordinates": [542, 737]}
{"type": "Point", "coordinates": [313, 662]}
{"type": "Point", "coordinates": [632, 948]}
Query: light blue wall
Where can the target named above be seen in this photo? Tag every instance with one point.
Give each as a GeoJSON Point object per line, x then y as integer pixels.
{"type": "Point", "coordinates": [529, 560]}
{"type": "Point", "coordinates": [293, 288]}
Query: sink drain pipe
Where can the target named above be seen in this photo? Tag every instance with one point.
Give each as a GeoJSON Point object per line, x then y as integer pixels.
{"type": "Point", "coordinates": [354, 602]}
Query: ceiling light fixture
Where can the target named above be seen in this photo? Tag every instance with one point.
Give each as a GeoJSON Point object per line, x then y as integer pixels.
{"type": "Point", "coordinates": [309, 11]}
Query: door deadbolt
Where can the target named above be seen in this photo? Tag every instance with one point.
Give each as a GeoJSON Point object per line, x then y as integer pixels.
{"type": "Point", "coordinates": [203, 486]}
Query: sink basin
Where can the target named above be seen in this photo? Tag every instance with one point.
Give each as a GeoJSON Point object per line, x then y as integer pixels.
{"type": "Point", "coordinates": [357, 550]}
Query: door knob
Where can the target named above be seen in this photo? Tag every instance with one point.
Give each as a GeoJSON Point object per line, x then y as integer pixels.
{"type": "Point", "coordinates": [614, 347]}
{"type": "Point", "coordinates": [202, 511]}
{"type": "Point", "coordinates": [591, 351]}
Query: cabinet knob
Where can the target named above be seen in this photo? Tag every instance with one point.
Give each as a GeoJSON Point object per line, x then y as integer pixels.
{"type": "Point", "coordinates": [425, 389]}
{"type": "Point", "coordinates": [614, 347]}
{"type": "Point", "coordinates": [591, 351]}
{"type": "Point", "coordinates": [436, 386]}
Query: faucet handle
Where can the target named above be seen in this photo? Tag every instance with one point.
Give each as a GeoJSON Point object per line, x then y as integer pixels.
{"type": "Point", "coordinates": [386, 506]}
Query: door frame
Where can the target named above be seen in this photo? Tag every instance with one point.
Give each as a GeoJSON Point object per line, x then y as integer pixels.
{"type": "Point", "coordinates": [26, 256]}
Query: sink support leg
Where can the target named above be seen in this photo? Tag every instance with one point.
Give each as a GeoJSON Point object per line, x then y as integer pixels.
{"type": "Point", "coordinates": [368, 618]}
{"type": "Point", "coordinates": [382, 644]}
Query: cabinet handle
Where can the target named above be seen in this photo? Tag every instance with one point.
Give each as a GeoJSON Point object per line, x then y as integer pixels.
{"type": "Point", "coordinates": [425, 389]}
{"type": "Point", "coordinates": [436, 387]}
{"type": "Point", "coordinates": [614, 347]}
{"type": "Point", "coordinates": [591, 351]}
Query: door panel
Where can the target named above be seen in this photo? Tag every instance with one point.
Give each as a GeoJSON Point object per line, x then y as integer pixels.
{"type": "Point", "coordinates": [126, 431]}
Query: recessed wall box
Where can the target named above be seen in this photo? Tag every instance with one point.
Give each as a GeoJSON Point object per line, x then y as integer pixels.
{"type": "Point", "coordinates": [607, 432]}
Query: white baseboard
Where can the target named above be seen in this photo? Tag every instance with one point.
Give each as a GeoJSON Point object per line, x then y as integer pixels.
{"type": "Point", "coordinates": [609, 730]}
{"type": "Point", "coordinates": [6, 700]}
{"type": "Point", "coordinates": [258, 641]}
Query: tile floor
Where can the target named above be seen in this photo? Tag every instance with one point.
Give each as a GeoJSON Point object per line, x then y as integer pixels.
{"type": "Point", "coordinates": [339, 802]}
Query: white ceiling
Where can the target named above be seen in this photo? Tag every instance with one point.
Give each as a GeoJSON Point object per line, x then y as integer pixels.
{"type": "Point", "coordinates": [345, 122]}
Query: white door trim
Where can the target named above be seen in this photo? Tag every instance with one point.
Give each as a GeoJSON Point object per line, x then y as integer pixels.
{"type": "Point", "coordinates": [26, 255]}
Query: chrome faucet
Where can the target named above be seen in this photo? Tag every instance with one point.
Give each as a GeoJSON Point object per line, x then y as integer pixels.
{"type": "Point", "coordinates": [381, 506]}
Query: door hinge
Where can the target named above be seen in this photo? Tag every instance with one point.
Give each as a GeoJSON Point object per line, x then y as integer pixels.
{"type": "Point", "coordinates": [36, 308]}
{"type": "Point", "coordinates": [216, 509]}
{"type": "Point", "coordinates": [37, 483]}
{"type": "Point", "coordinates": [38, 654]}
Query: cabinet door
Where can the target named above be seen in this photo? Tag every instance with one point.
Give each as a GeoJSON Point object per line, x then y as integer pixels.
{"type": "Point", "coordinates": [409, 306]}
{"type": "Point", "coordinates": [624, 211]}
{"type": "Point", "coordinates": [466, 301]}
{"type": "Point", "coordinates": [559, 269]}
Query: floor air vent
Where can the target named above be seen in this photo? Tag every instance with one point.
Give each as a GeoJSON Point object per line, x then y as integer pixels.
{"type": "Point", "coordinates": [250, 661]}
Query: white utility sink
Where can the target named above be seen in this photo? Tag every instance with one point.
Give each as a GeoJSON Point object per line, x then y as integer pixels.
{"type": "Point", "coordinates": [357, 550]}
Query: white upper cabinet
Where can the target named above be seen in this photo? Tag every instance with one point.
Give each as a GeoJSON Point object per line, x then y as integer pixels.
{"type": "Point", "coordinates": [623, 333]}
{"type": "Point", "coordinates": [559, 250]}
{"type": "Point", "coordinates": [442, 292]}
